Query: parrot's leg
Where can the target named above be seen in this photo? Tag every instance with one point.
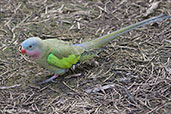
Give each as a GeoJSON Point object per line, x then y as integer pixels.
{"type": "Point", "coordinates": [51, 79]}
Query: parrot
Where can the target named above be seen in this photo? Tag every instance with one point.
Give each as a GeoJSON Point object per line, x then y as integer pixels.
{"type": "Point", "coordinates": [59, 56]}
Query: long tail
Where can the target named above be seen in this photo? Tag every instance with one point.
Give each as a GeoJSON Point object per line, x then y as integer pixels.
{"type": "Point", "coordinates": [99, 42]}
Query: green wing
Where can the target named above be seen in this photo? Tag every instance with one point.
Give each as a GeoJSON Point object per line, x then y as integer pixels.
{"type": "Point", "coordinates": [65, 56]}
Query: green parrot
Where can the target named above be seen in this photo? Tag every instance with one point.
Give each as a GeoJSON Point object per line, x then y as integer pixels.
{"type": "Point", "coordinates": [58, 56]}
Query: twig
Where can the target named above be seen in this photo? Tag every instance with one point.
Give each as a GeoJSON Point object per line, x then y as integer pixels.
{"type": "Point", "coordinates": [70, 87]}
{"type": "Point", "coordinates": [158, 107]}
{"type": "Point", "coordinates": [73, 76]}
{"type": "Point", "coordinates": [97, 89]}
{"type": "Point", "coordinates": [129, 96]}
{"type": "Point", "coordinates": [9, 87]}
{"type": "Point", "coordinates": [150, 10]}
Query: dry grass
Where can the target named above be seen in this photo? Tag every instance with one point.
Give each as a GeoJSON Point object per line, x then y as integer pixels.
{"type": "Point", "coordinates": [131, 76]}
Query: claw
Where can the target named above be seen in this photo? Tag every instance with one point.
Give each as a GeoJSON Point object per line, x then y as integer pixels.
{"type": "Point", "coordinates": [51, 79]}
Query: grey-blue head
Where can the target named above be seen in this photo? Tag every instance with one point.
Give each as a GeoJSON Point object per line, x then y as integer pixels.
{"type": "Point", "coordinates": [32, 47]}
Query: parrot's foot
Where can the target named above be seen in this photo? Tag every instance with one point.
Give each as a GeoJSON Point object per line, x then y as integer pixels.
{"type": "Point", "coordinates": [51, 79]}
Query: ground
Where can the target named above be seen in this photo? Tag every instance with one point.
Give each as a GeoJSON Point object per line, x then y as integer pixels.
{"type": "Point", "coordinates": [131, 75]}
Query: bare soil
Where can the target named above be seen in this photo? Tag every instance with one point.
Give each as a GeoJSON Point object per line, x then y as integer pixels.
{"type": "Point", "coordinates": [131, 76]}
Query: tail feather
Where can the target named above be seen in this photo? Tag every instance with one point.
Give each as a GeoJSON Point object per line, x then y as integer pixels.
{"type": "Point", "coordinates": [99, 42]}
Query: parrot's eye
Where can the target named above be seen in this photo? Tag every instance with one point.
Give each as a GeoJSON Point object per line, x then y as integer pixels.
{"type": "Point", "coordinates": [30, 46]}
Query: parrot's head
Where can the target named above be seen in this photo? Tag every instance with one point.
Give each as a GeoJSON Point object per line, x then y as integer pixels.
{"type": "Point", "coordinates": [32, 47]}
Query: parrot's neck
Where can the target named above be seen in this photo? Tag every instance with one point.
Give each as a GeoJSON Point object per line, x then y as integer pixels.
{"type": "Point", "coordinates": [43, 54]}
{"type": "Point", "coordinates": [34, 55]}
